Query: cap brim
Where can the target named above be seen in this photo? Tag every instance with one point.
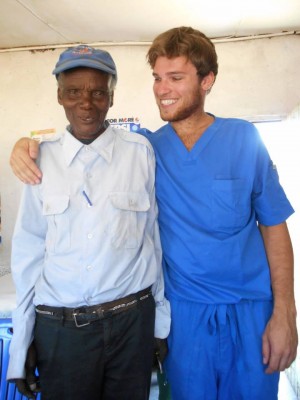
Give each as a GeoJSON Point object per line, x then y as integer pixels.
{"type": "Point", "coordinates": [87, 63]}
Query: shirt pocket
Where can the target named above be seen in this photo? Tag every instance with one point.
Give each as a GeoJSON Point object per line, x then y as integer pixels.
{"type": "Point", "coordinates": [55, 209]}
{"type": "Point", "coordinates": [231, 204]}
{"type": "Point", "coordinates": [129, 218]}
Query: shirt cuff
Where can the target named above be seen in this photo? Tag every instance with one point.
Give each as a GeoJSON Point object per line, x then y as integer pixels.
{"type": "Point", "coordinates": [20, 342]}
{"type": "Point", "coordinates": [162, 319]}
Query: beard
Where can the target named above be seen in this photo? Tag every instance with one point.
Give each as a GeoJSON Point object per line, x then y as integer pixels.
{"type": "Point", "coordinates": [184, 111]}
{"type": "Point", "coordinates": [180, 114]}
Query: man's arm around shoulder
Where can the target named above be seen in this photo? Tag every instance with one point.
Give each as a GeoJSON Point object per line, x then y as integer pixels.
{"type": "Point", "coordinates": [22, 161]}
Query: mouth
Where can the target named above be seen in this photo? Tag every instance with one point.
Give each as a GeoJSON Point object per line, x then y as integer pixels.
{"type": "Point", "coordinates": [167, 102]}
{"type": "Point", "coordinates": [87, 119]}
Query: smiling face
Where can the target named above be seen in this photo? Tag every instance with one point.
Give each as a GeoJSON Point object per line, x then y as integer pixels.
{"type": "Point", "coordinates": [85, 96]}
{"type": "Point", "coordinates": [178, 90]}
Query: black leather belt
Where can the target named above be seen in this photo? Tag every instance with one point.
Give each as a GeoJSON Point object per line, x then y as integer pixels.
{"type": "Point", "coordinates": [84, 315]}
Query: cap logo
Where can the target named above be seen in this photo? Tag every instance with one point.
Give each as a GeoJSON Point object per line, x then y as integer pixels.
{"type": "Point", "coordinates": [82, 50]}
{"type": "Point", "coordinates": [86, 57]}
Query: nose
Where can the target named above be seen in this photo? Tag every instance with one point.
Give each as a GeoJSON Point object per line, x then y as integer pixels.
{"type": "Point", "coordinates": [86, 99]}
{"type": "Point", "coordinates": [161, 87]}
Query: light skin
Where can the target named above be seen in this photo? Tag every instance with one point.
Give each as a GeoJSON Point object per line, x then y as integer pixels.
{"type": "Point", "coordinates": [280, 339]}
{"type": "Point", "coordinates": [180, 96]}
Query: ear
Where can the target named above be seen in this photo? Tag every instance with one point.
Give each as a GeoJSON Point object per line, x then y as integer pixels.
{"type": "Point", "coordinates": [111, 99]}
{"type": "Point", "coordinates": [59, 96]}
{"type": "Point", "coordinates": [208, 81]}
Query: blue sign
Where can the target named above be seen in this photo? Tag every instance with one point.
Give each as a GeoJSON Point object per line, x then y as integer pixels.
{"type": "Point", "coordinates": [128, 124]}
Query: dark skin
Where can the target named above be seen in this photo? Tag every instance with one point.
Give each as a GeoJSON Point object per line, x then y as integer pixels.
{"type": "Point", "coordinates": [85, 96]}
{"type": "Point", "coordinates": [30, 385]}
{"type": "Point", "coordinates": [86, 99]}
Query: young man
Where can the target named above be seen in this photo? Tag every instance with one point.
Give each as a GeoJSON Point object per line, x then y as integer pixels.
{"type": "Point", "coordinates": [86, 254]}
{"type": "Point", "coordinates": [228, 258]}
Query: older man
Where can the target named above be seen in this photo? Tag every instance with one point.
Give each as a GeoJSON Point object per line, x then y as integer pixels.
{"type": "Point", "coordinates": [86, 254]}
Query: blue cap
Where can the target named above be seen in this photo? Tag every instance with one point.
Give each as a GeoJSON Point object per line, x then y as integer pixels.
{"type": "Point", "coordinates": [85, 56]}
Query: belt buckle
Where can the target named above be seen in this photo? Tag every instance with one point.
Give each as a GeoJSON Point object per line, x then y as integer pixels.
{"type": "Point", "coordinates": [75, 315]}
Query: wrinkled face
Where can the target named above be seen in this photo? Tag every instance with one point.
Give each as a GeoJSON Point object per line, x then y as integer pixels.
{"type": "Point", "coordinates": [84, 94]}
{"type": "Point", "coordinates": [178, 90]}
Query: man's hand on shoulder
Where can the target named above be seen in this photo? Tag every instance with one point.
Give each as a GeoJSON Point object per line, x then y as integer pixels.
{"type": "Point", "coordinates": [22, 162]}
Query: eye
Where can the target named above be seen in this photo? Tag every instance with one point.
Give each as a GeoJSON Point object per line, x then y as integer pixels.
{"type": "Point", "coordinates": [176, 78]}
{"type": "Point", "coordinates": [97, 94]}
{"type": "Point", "coordinates": [156, 78]}
{"type": "Point", "coordinates": [73, 93]}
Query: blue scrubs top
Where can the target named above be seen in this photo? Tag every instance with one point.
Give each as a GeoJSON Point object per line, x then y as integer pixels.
{"type": "Point", "coordinates": [210, 200]}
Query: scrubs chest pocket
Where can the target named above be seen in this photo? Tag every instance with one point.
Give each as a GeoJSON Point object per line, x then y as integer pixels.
{"type": "Point", "coordinates": [58, 236]}
{"type": "Point", "coordinates": [230, 204]}
{"type": "Point", "coordinates": [129, 218]}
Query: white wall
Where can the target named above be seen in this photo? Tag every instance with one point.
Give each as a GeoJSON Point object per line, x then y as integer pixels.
{"type": "Point", "coordinates": [256, 78]}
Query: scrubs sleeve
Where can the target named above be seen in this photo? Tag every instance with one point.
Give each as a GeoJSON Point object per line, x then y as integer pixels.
{"type": "Point", "coordinates": [268, 198]}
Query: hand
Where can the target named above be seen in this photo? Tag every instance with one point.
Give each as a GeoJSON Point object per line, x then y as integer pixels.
{"type": "Point", "coordinates": [161, 351]}
{"type": "Point", "coordinates": [22, 162]}
{"type": "Point", "coordinates": [280, 341]}
{"type": "Point", "coordinates": [30, 385]}
{"type": "Point", "coordinates": [25, 389]}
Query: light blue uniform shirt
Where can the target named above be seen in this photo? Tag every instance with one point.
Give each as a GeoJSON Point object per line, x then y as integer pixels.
{"type": "Point", "coordinates": [71, 249]}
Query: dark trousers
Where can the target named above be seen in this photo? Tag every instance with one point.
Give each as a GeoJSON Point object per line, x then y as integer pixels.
{"type": "Point", "coordinates": [109, 359]}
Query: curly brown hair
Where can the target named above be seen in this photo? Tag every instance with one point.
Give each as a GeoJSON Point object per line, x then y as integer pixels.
{"type": "Point", "coordinates": [187, 42]}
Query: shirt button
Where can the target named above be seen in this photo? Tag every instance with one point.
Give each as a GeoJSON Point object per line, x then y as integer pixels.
{"type": "Point", "coordinates": [90, 235]}
{"type": "Point", "coordinates": [132, 203]}
{"type": "Point", "coordinates": [89, 267]}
